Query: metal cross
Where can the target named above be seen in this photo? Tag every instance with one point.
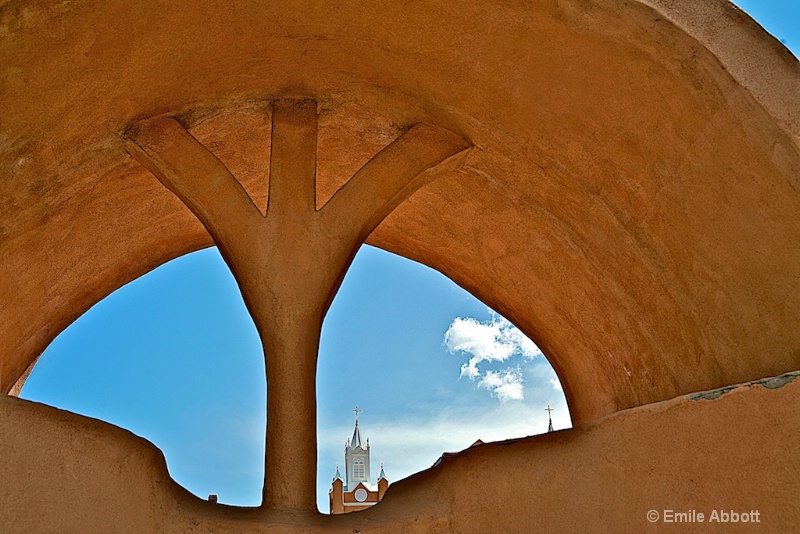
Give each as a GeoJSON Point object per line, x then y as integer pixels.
{"type": "Point", "coordinates": [357, 410]}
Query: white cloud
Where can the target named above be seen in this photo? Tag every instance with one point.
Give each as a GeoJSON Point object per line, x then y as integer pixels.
{"type": "Point", "coordinates": [496, 340]}
{"type": "Point", "coordinates": [485, 341]}
{"type": "Point", "coordinates": [505, 386]}
{"type": "Point", "coordinates": [470, 370]}
{"type": "Point", "coordinates": [556, 384]}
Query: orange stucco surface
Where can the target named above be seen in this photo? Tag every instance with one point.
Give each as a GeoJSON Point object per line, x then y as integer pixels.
{"type": "Point", "coordinates": [631, 205]}
{"type": "Point", "coordinates": [630, 200]}
{"type": "Point", "coordinates": [75, 474]}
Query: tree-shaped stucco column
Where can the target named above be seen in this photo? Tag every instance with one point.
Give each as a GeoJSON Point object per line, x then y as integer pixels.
{"type": "Point", "coordinates": [290, 263]}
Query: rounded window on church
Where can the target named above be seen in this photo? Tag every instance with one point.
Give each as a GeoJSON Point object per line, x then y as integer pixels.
{"type": "Point", "coordinates": [361, 495]}
{"type": "Point", "coordinates": [358, 469]}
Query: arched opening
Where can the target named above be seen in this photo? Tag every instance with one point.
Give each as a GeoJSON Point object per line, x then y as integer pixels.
{"type": "Point", "coordinates": [409, 332]}
{"type": "Point", "coordinates": [656, 165]}
{"type": "Point", "coordinates": [174, 357]}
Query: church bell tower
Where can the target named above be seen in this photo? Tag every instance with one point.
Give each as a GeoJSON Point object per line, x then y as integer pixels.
{"type": "Point", "coordinates": [356, 458]}
{"type": "Point", "coordinates": [356, 492]}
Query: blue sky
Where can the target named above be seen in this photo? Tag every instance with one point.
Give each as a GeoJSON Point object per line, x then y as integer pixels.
{"type": "Point", "coordinates": [174, 357]}
{"type": "Point", "coordinates": [781, 18]}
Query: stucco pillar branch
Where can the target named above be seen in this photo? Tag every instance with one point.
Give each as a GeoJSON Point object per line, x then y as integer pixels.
{"type": "Point", "coordinates": [290, 263]}
{"type": "Point", "coordinates": [390, 177]}
{"type": "Point", "coordinates": [196, 176]}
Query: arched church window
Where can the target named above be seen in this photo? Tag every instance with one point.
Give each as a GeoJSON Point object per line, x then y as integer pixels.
{"type": "Point", "coordinates": [358, 469]}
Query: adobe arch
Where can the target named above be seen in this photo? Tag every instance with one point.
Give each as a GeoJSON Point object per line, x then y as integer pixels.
{"type": "Point", "coordinates": [631, 203]}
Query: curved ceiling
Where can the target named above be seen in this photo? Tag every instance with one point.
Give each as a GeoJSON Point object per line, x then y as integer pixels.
{"type": "Point", "coordinates": [631, 202]}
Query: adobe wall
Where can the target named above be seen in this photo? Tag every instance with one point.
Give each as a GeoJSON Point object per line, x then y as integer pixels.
{"type": "Point", "coordinates": [725, 450]}
{"type": "Point", "coordinates": [62, 472]}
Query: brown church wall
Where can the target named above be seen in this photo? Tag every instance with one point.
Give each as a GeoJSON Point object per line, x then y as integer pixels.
{"type": "Point", "coordinates": [726, 450]}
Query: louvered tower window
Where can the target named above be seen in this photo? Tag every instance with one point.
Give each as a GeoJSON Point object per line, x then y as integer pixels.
{"type": "Point", "coordinates": [358, 468]}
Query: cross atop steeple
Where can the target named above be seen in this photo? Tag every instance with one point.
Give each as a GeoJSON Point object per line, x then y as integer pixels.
{"type": "Point", "coordinates": [357, 410]}
{"type": "Point", "coordinates": [550, 419]}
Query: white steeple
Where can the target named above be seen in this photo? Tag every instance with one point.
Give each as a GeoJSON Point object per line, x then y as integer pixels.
{"type": "Point", "coordinates": [355, 441]}
{"type": "Point", "coordinates": [356, 459]}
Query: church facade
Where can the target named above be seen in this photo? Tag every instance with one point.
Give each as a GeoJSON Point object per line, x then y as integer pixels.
{"type": "Point", "coordinates": [355, 491]}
